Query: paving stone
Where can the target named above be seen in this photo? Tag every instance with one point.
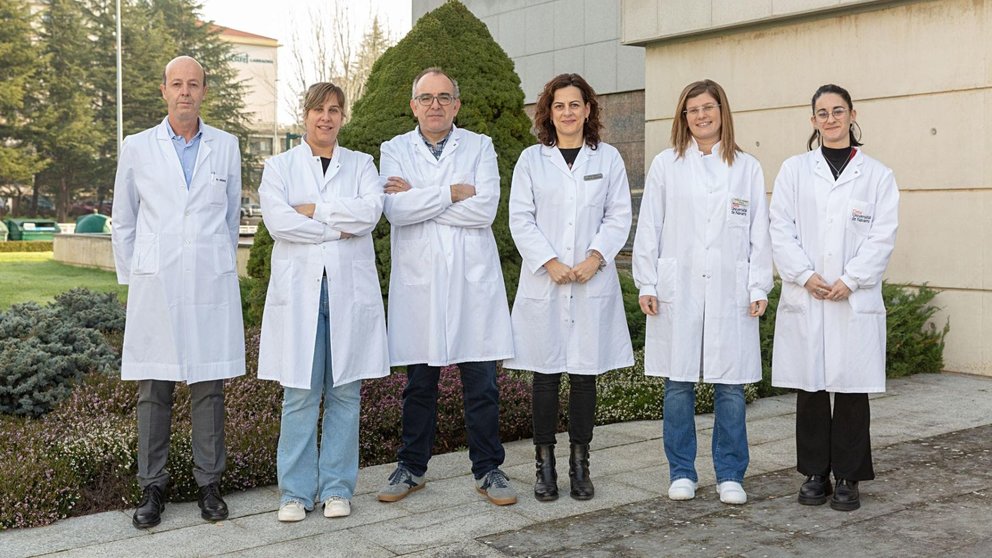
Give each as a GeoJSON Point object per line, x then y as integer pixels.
{"type": "Point", "coordinates": [340, 544]}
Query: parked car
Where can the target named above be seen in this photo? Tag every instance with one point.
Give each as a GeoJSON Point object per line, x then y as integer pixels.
{"type": "Point", "coordinates": [251, 210]}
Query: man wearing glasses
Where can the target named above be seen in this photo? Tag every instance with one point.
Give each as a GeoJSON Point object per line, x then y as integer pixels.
{"type": "Point", "coordinates": [447, 302]}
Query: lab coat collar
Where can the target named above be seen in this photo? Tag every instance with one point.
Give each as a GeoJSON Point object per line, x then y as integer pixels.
{"type": "Point", "coordinates": [851, 171]}
{"type": "Point", "coordinates": [454, 138]}
{"type": "Point", "coordinates": [169, 152]}
{"type": "Point", "coordinates": [320, 177]}
{"type": "Point", "coordinates": [586, 154]}
{"type": "Point", "coordinates": [693, 148]}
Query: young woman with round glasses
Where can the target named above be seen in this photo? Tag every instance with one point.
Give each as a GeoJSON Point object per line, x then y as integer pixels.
{"type": "Point", "coordinates": [834, 213]}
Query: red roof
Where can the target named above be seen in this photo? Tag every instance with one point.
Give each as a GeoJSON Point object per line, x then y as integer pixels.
{"type": "Point", "coordinates": [230, 32]}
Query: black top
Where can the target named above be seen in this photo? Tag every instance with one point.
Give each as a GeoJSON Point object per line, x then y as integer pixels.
{"type": "Point", "coordinates": [837, 159]}
{"type": "Point", "coordinates": [326, 162]}
{"type": "Point", "coordinates": [570, 153]}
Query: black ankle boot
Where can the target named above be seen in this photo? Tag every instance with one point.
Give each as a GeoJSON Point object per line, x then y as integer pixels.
{"type": "Point", "coordinates": [578, 472]}
{"type": "Point", "coordinates": [546, 485]}
{"type": "Point", "coordinates": [815, 490]}
{"type": "Point", "coordinates": [846, 496]}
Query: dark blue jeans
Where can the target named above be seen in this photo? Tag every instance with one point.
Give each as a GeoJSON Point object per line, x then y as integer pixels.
{"type": "Point", "coordinates": [481, 416]}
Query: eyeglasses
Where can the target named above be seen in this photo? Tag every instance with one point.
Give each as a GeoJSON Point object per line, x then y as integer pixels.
{"type": "Point", "coordinates": [705, 109]}
{"type": "Point", "coordinates": [838, 112]}
{"type": "Point", "coordinates": [426, 99]}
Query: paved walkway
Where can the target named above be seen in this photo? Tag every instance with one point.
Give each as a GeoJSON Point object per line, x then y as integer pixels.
{"type": "Point", "coordinates": [932, 436]}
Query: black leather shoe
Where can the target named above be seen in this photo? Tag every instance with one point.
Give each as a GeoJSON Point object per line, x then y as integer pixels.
{"type": "Point", "coordinates": [815, 490]}
{"type": "Point", "coordinates": [149, 510]}
{"type": "Point", "coordinates": [846, 496]}
{"type": "Point", "coordinates": [546, 484]}
{"type": "Point", "coordinates": [212, 506]}
{"type": "Point", "coordinates": [578, 472]}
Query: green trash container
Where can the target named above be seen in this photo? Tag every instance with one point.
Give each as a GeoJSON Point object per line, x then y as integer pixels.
{"type": "Point", "coordinates": [32, 229]}
{"type": "Point", "coordinates": [93, 223]}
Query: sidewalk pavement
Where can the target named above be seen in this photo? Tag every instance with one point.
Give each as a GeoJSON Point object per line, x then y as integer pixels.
{"type": "Point", "coordinates": [932, 440]}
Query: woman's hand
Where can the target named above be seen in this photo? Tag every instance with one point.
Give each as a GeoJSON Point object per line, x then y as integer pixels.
{"type": "Point", "coordinates": [758, 308]}
{"type": "Point", "coordinates": [817, 287]}
{"type": "Point", "coordinates": [586, 269]}
{"type": "Point", "coordinates": [839, 291]}
{"type": "Point", "coordinates": [649, 305]}
{"type": "Point", "coordinates": [558, 272]}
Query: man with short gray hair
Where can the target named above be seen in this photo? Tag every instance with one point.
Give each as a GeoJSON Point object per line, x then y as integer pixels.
{"type": "Point", "coordinates": [447, 302]}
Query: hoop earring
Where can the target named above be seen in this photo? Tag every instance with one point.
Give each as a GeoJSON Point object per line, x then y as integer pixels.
{"type": "Point", "coordinates": [857, 136]}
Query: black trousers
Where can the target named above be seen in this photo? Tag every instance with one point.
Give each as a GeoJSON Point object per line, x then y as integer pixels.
{"type": "Point", "coordinates": [839, 442]}
{"type": "Point", "coordinates": [581, 407]}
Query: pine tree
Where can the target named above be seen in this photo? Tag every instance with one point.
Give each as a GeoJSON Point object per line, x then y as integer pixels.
{"type": "Point", "coordinates": [18, 60]}
{"type": "Point", "coordinates": [62, 115]}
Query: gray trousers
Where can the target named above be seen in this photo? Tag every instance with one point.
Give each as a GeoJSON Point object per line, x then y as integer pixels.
{"type": "Point", "coordinates": [155, 425]}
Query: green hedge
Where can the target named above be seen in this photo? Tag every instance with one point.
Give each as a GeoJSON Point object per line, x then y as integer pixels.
{"type": "Point", "coordinates": [26, 246]}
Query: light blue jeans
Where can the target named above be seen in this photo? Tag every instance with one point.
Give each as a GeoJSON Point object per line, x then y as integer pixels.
{"type": "Point", "coordinates": [730, 453]}
{"type": "Point", "coordinates": [306, 474]}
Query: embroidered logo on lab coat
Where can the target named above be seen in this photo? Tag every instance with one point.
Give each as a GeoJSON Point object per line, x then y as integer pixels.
{"type": "Point", "coordinates": [738, 206]}
{"type": "Point", "coordinates": [858, 216]}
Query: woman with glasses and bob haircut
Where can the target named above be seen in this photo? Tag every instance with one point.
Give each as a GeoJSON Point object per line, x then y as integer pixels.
{"type": "Point", "coordinates": [834, 214]}
{"type": "Point", "coordinates": [569, 216]}
{"type": "Point", "coordinates": [324, 329]}
{"type": "Point", "coordinates": [702, 262]}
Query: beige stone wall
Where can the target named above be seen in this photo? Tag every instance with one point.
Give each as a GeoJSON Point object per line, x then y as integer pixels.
{"type": "Point", "coordinates": [85, 250]}
{"type": "Point", "coordinates": [921, 76]}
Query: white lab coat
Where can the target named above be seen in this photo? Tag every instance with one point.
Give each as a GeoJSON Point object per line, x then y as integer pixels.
{"type": "Point", "coordinates": [842, 229]}
{"type": "Point", "coordinates": [447, 302]}
{"type": "Point", "coordinates": [702, 249]}
{"type": "Point", "coordinates": [557, 212]}
{"type": "Point", "coordinates": [176, 249]}
{"type": "Point", "coordinates": [348, 199]}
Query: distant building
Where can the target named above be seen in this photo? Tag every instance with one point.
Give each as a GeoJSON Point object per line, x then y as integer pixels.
{"type": "Point", "coordinates": [255, 57]}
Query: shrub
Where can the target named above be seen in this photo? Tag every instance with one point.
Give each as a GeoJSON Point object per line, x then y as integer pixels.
{"type": "Point", "coordinates": [913, 342]}
{"type": "Point", "coordinates": [632, 308]}
{"type": "Point", "coordinates": [26, 246]}
{"type": "Point", "coordinates": [44, 350]}
{"type": "Point", "coordinates": [454, 39]}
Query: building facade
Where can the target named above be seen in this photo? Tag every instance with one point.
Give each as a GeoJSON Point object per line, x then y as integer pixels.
{"type": "Point", "coordinates": [256, 60]}
{"type": "Point", "coordinates": [545, 38]}
{"type": "Point", "coordinates": [919, 72]}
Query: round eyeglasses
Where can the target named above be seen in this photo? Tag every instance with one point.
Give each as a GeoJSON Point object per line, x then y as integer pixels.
{"type": "Point", "coordinates": [823, 115]}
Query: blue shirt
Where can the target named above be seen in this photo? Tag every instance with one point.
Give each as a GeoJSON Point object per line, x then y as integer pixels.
{"type": "Point", "coordinates": [436, 150]}
{"type": "Point", "coordinates": [186, 151]}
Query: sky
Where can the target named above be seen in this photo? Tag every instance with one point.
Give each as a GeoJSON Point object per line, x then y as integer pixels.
{"type": "Point", "coordinates": [276, 18]}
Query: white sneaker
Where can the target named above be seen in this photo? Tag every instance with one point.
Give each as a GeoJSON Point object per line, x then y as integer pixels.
{"type": "Point", "coordinates": [682, 489]}
{"type": "Point", "coordinates": [292, 511]}
{"type": "Point", "coordinates": [336, 506]}
{"type": "Point", "coordinates": [731, 493]}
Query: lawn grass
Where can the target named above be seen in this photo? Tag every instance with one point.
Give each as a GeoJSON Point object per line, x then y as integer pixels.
{"type": "Point", "coordinates": [26, 276]}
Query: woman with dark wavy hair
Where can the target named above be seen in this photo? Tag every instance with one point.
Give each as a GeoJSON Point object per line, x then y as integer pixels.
{"type": "Point", "coordinates": [834, 215]}
{"type": "Point", "coordinates": [702, 262]}
{"type": "Point", "coordinates": [569, 216]}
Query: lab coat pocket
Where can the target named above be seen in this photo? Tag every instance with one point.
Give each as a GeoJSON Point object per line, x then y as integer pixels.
{"type": "Point", "coordinates": [217, 189]}
{"type": "Point", "coordinates": [860, 216]}
{"type": "Point", "coordinates": [867, 301]}
{"type": "Point", "coordinates": [667, 279]}
{"type": "Point", "coordinates": [145, 255]}
{"type": "Point", "coordinates": [595, 192]}
{"type": "Point", "coordinates": [794, 298]}
{"type": "Point", "coordinates": [365, 281]}
{"type": "Point", "coordinates": [533, 286]}
{"type": "Point", "coordinates": [225, 259]}
{"type": "Point", "coordinates": [280, 283]}
{"type": "Point", "coordinates": [413, 261]}
{"type": "Point", "coordinates": [743, 296]}
{"type": "Point", "coordinates": [478, 259]}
